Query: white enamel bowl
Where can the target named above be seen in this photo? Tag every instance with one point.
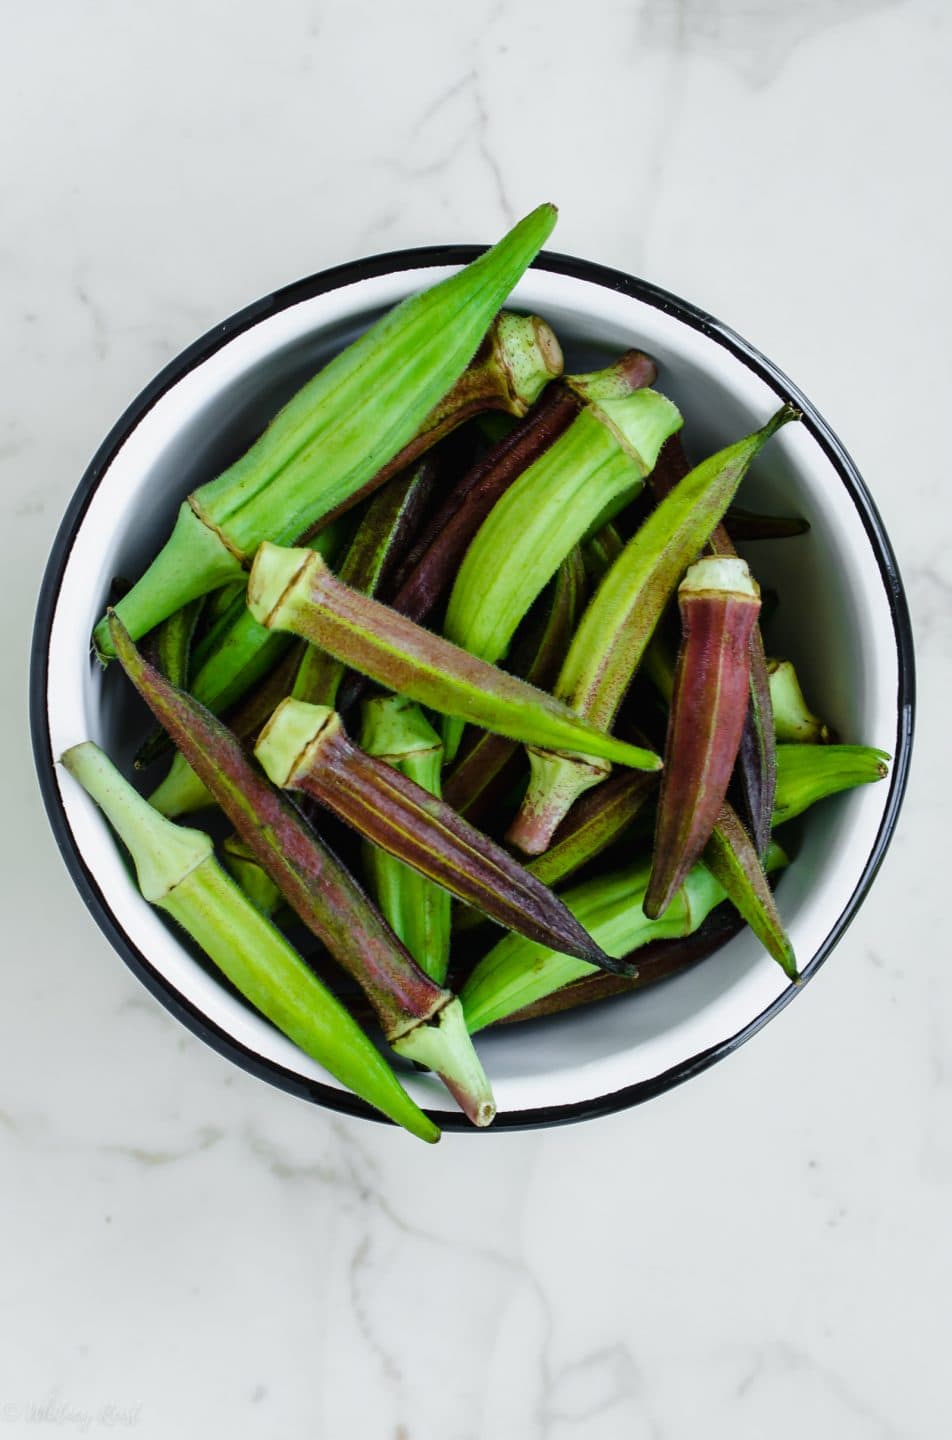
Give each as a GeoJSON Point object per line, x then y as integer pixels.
{"type": "Point", "coordinates": [842, 619]}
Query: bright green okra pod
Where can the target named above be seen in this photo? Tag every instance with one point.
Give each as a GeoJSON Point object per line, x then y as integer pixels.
{"type": "Point", "coordinates": [518, 972]}
{"type": "Point", "coordinates": [418, 910]}
{"type": "Point", "coordinates": [585, 476]}
{"type": "Point", "coordinates": [808, 773]}
{"type": "Point", "coordinates": [334, 436]}
{"type": "Point", "coordinates": [177, 872]}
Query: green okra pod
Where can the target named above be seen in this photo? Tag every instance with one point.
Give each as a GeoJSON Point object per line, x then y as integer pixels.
{"type": "Point", "coordinates": [335, 435]}
{"type": "Point", "coordinates": [314, 883]}
{"type": "Point", "coordinates": [250, 875]}
{"type": "Point", "coordinates": [732, 859]}
{"type": "Point", "coordinates": [591, 470]}
{"type": "Point", "coordinates": [485, 769]}
{"type": "Point", "coordinates": [808, 773]}
{"type": "Point", "coordinates": [719, 602]}
{"type": "Point", "coordinates": [295, 590]}
{"type": "Point", "coordinates": [305, 747]}
{"type": "Point", "coordinates": [378, 543]}
{"type": "Point", "coordinates": [621, 619]}
{"type": "Point", "coordinates": [177, 872]}
{"type": "Point", "coordinates": [793, 719]}
{"type": "Point", "coordinates": [517, 972]}
{"type": "Point", "coordinates": [657, 960]}
{"type": "Point", "coordinates": [395, 732]}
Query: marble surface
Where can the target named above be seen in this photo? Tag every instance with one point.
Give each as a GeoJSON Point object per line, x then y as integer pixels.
{"type": "Point", "coordinates": [764, 1251]}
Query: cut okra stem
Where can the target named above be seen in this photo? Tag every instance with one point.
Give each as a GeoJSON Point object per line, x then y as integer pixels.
{"type": "Point", "coordinates": [395, 732]}
{"type": "Point", "coordinates": [178, 873]}
{"type": "Point", "coordinates": [334, 436]}
{"type": "Point", "coordinates": [304, 747]}
{"type": "Point", "coordinates": [295, 590]}
{"type": "Point", "coordinates": [516, 972]}
{"type": "Point", "coordinates": [719, 602]}
{"type": "Point", "coordinates": [313, 882]}
{"type": "Point", "coordinates": [622, 617]}
{"type": "Point", "coordinates": [594, 468]}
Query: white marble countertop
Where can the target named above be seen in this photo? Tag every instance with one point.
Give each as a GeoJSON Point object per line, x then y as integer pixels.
{"type": "Point", "coordinates": [762, 1252]}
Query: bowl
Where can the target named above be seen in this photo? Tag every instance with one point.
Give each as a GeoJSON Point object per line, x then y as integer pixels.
{"type": "Point", "coordinates": [844, 622]}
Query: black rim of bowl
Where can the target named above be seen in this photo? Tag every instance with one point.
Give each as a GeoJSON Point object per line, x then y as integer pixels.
{"type": "Point", "coordinates": [206, 346]}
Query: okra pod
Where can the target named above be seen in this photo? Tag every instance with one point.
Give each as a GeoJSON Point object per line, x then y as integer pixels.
{"type": "Point", "coordinates": [658, 960]}
{"type": "Point", "coordinates": [395, 732]}
{"type": "Point", "coordinates": [378, 543]}
{"type": "Point", "coordinates": [295, 590]}
{"type": "Point", "coordinates": [732, 859]}
{"type": "Point", "coordinates": [622, 617]}
{"type": "Point", "coordinates": [249, 875]}
{"type": "Point", "coordinates": [808, 773]}
{"type": "Point", "coordinates": [304, 747]}
{"type": "Point", "coordinates": [334, 435]}
{"type": "Point", "coordinates": [314, 883]}
{"type": "Point", "coordinates": [719, 602]}
{"type": "Point", "coordinates": [592, 469]}
{"type": "Point", "coordinates": [177, 872]}
{"type": "Point", "coordinates": [432, 565]}
{"type": "Point", "coordinates": [517, 972]}
{"type": "Point", "coordinates": [793, 719]}
{"type": "Point", "coordinates": [485, 767]}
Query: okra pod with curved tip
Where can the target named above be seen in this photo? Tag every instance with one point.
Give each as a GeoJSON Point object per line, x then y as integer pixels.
{"type": "Point", "coordinates": [313, 882]}
{"type": "Point", "coordinates": [793, 719]}
{"type": "Point", "coordinates": [177, 872]}
{"type": "Point", "coordinates": [592, 469]}
{"type": "Point", "coordinates": [378, 543]}
{"type": "Point", "coordinates": [808, 773]}
{"type": "Point", "coordinates": [622, 617]}
{"type": "Point", "coordinates": [731, 858]}
{"type": "Point", "coordinates": [395, 732]}
{"type": "Point", "coordinates": [484, 769]}
{"type": "Point", "coordinates": [335, 435]}
{"type": "Point", "coordinates": [304, 747]}
{"type": "Point", "coordinates": [719, 602]}
{"type": "Point", "coordinates": [295, 590]}
{"type": "Point", "coordinates": [517, 972]}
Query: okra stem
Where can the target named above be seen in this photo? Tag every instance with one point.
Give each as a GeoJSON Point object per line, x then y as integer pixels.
{"type": "Point", "coordinates": [295, 590]}
{"type": "Point", "coordinates": [178, 872]}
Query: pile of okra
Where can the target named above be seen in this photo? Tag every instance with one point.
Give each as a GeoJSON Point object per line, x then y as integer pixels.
{"type": "Point", "coordinates": [463, 652]}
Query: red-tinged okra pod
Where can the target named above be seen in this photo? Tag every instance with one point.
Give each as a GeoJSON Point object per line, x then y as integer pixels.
{"type": "Point", "coordinates": [485, 770]}
{"type": "Point", "coordinates": [295, 590]}
{"type": "Point", "coordinates": [621, 618]}
{"type": "Point", "coordinates": [377, 546]}
{"type": "Point", "coordinates": [756, 760]}
{"type": "Point", "coordinates": [304, 747]}
{"type": "Point", "coordinates": [731, 858]}
{"type": "Point", "coordinates": [177, 872]}
{"type": "Point", "coordinates": [658, 960]}
{"type": "Point", "coordinates": [334, 435]}
{"type": "Point", "coordinates": [416, 1015]}
{"type": "Point", "coordinates": [719, 602]}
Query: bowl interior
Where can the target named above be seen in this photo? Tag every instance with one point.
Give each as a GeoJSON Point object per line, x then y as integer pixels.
{"type": "Point", "coordinates": [834, 621]}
